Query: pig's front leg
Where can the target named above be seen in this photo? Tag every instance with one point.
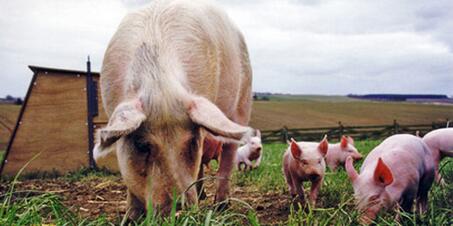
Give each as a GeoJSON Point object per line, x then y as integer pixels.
{"type": "Point", "coordinates": [407, 200]}
{"type": "Point", "coordinates": [289, 181]}
{"type": "Point", "coordinates": [258, 162]}
{"type": "Point", "coordinates": [200, 190]}
{"type": "Point", "coordinates": [425, 185]}
{"type": "Point", "coordinates": [299, 190]}
{"type": "Point", "coordinates": [226, 166]}
{"type": "Point", "coordinates": [135, 208]}
{"type": "Point", "coordinates": [248, 163]}
{"type": "Point", "coordinates": [315, 186]}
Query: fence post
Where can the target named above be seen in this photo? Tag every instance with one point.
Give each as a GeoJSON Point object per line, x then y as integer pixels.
{"type": "Point", "coordinates": [284, 134]}
{"type": "Point", "coordinates": [448, 123]}
{"type": "Point", "coordinates": [395, 127]}
{"type": "Point", "coordinates": [341, 129]}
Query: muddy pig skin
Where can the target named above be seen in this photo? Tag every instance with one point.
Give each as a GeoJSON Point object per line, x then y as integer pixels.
{"type": "Point", "coordinates": [440, 143]}
{"type": "Point", "coordinates": [304, 161]}
{"type": "Point", "coordinates": [339, 152]}
{"type": "Point", "coordinates": [398, 170]}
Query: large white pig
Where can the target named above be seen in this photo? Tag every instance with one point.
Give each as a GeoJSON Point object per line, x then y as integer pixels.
{"type": "Point", "coordinates": [398, 170]}
{"type": "Point", "coordinates": [440, 142]}
{"type": "Point", "coordinates": [172, 73]}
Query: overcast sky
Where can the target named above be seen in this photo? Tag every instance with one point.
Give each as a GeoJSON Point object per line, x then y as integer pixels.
{"type": "Point", "coordinates": [303, 47]}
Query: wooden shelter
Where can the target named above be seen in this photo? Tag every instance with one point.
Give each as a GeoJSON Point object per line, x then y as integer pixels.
{"type": "Point", "coordinates": [56, 123]}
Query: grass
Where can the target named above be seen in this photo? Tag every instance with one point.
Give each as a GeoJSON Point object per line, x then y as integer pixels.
{"type": "Point", "coordinates": [335, 202]}
{"type": "Point", "coordinates": [2, 154]}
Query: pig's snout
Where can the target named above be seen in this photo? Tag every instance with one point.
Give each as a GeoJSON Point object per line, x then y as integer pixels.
{"type": "Point", "coordinates": [357, 157]}
{"type": "Point", "coordinates": [259, 149]}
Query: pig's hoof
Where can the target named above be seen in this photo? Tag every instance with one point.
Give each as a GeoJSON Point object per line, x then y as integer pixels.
{"type": "Point", "coordinates": [222, 206]}
{"type": "Point", "coordinates": [134, 214]}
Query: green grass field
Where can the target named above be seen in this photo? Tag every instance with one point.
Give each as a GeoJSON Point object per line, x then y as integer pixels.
{"type": "Point", "coordinates": [260, 198]}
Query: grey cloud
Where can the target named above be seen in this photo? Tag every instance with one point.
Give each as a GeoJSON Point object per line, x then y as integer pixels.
{"type": "Point", "coordinates": [316, 47]}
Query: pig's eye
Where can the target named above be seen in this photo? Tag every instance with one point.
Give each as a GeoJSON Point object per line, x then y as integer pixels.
{"type": "Point", "coordinates": [319, 161]}
{"type": "Point", "coordinates": [305, 162]}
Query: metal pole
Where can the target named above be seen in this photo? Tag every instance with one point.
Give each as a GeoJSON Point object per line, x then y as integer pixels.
{"type": "Point", "coordinates": [90, 102]}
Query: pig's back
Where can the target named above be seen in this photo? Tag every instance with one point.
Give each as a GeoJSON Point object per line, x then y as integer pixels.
{"type": "Point", "coordinates": [403, 154]}
{"type": "Point", "coordinates": [208, 46]}
{"type": "Point", "coordinates": [440, 139]}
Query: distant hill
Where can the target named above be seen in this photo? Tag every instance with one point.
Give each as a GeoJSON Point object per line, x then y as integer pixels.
{"type": "Point", "coordinates": [405, 97]}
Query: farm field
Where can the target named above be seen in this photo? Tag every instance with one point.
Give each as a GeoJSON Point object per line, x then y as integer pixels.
{"type": "Point", "coordinates": [327, 111]}
{"type": "Point", "coordinates": [8, 116]}
{"type": "Point", "coordinates": [307, 111]}
{"type": "Point", "coordinates": [260, 197]}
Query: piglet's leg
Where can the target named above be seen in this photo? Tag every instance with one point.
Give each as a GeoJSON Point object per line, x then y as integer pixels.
{"type": "Point", "coordinates": [437, 157]}
{"type": "Point", "coordinates": [422, 197]}
{"type": "Point", "coordinates": [315, 186]}
{"type": "Point", "coordinates": [224, 173]}
{"type": "Point", "coordinates": [300, 190]}
{"type": "Point", "coordinates": [407, 201]}
{"type": "Point", "coordinates": [258, 162]}
{"type": "Point", "coordinates": [289, 181]}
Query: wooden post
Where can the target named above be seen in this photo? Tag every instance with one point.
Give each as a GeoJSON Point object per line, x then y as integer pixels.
{"type": "Point", "coordinates": [284, 134]}
{"type": "Point", "coordinates": [341, 130]}
{"type": "Point", "coordinates": [395, 127]}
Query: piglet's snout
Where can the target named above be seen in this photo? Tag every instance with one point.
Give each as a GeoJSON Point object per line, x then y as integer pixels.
{"type": "Point", "coordinates": [358, 157]}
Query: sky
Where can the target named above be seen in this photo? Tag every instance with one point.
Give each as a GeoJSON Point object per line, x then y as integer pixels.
{"type": "Point", "coordinates": [330, 47]}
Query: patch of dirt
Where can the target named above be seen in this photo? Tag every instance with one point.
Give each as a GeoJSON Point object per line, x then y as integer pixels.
{"type": "Point", "coordinates": [93, 197]}
{"type": "Point", "coordinates": [89, 198]}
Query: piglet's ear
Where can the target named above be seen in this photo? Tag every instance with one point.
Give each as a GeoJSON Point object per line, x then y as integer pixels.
{"type": "Point", "coordinates": [350, 140]}
{"type": "Point", "coordinates": [323, 146]}
{"type": "Point", "coordinates": [258, 133]}
{"type": "Point", "coordinates": [382, 174]}
{"type": "Point", "coordinates": [344, 142]}
{"type": "Point", "coordinates": [296, 151]}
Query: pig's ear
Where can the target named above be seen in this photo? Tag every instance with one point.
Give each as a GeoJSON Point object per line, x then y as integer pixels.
{"type": "Point", "coordinates": [126, 118]}
{"type": "Point", "coordinates": [296, 151]}
{"type": "Point", "coordinates": [344, 142]}
{"type": "Point", "coordinates": [349, 166]}
{"type": "Point", "coordinates": [350, 140]}
{"type": "Point", "coordinates": [323, 146]}
{"type": "Point", "coordinates": [382, 174]}
{"type": "Point", "coordinates": [258, 133]}
{"type": "Point", "coordinates": [208, 115]}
